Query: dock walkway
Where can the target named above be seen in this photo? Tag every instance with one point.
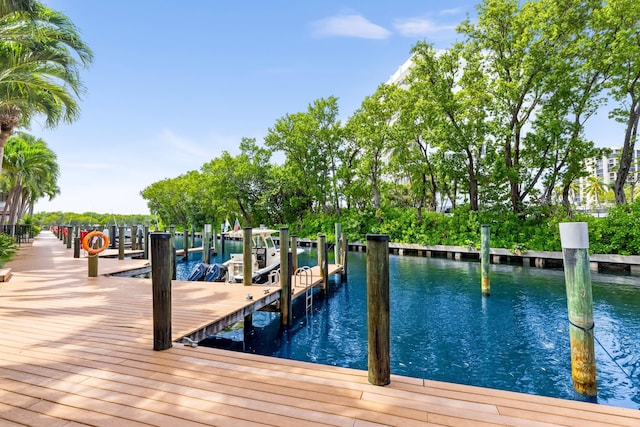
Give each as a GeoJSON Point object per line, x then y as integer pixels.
{"type": "Point", "coordinates": [77, 351]}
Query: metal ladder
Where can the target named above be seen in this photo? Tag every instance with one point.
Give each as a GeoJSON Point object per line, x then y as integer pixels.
{"type": "Point", "coordinates": [304, 273]}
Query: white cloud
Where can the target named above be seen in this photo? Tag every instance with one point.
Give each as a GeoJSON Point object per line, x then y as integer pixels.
{"type": "Point", "coordinates": [455, 11]}
{"type": "Point", "coordinates": [420, 27]}
{"type": "Point", "coordinates": [349, 26]}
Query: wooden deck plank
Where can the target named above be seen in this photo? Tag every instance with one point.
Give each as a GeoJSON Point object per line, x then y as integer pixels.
{"type": "Point", "coordinates": [78, 351]}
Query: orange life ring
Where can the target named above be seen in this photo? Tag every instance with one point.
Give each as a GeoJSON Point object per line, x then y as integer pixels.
{"type": "Point", "coordinates": [95, 251]}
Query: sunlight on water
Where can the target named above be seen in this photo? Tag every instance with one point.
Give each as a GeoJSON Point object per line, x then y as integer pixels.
{"type": "Point", "coordinates": [443, 329]}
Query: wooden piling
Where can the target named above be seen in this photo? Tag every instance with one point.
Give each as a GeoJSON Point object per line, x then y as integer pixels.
{"type": "Point", "coordinates": [286, 315]}
{"type": "Point", "coordinates": [69, 237]}
{"type": "Point", "coordinates": [146, 242]}
{"type": "Point", "coordinates": [343, 258]}
{"type": "Point", "coordinates": [112, 235]}
{"type": "Point", "coordinates": [215, 241]}
{"type": "Point", "coordinates": [294, 252]}
{"type": "Point", "coordinates": [336, 248]}
{"type": "Point", "coordinates": [134, 237]}
{"type": "Point", "coordinates": [185, 243]}
{"type": "Point", "coordinates": [76, 247]}
{"type": "Point", "coordinates": [161, 254]}
{"type": "Point", "coordinates": [378, 323]}
{"type": "Point", "coordinates": [121, 239]}
{"type": "Point", "coordinates": [322, 256]}
{"type": "Point", "coordinates": [92, 262]}
{"type": "Point", "coordinates": [485, 261]}
{"type": "Point", "coordinates": [574, 238]}
{"type": "Point", "coordinates": [206, 244]}
{"type": "Point", "coordinates": [247, 260]}
{"type": "Point", "coordinates": [174, 260]}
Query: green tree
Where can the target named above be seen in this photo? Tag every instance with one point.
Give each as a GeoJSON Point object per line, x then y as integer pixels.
{"type": "Point", "coordinates": [41, 54]}
{"type": "Point", "coordinates": [311, 143]}
{"type": "Point", "coordinates": [595, 188]}
{"type": "Point", "coordinates": [370, 130]}
{"type": "Point", "coordinates": [617, 26]}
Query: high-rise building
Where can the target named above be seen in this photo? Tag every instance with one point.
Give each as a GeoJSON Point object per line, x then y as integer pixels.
{"type": "Point", "coordinates": [605, 168]}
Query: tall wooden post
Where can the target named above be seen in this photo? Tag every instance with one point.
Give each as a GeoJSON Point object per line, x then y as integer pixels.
{"type": "Point", "coordinates": [76, 247]}
{"type": "Point", "coordinates": [215, 241]}
{"type": "Point", "coordinates": [146, 242]}
{"type": "Point", "coordinates": [343, 259]}
{"type": "Point", "coordinates": [286, 315]}
{"type": "Point", "coordinates": [185, 243]}
{"type": "Point", "coordinates": [69, 237]}
{"type": "Point", "coordinates": [174, 260]}
{"type": "Point", "coordinates": [247, 259]}
{"type": "Point", "coordinates": [93, 262]}
{"type": "Point", "coordinates": [378, 323]}
{"type": "Point", "coordinates": [121, 239]}
{"type": "Point", "coordinates": [206, 244]}
{"type": "Point", "coordinates": [112, 235]}
{"type": "Point", "coordinates": [485, 261]}
{"type": "Point", "coordinates": [294, 252]}
{"type": "Point", "coordinates": [161, 284]}
{"type": "Point", "coordinates": [322, 256]}
{"type": "Point", "coordinates": [336, 248]}
{"type": "Point", "coordinates": [222, 244]}
{"type": "Point", "coordinates": [134, 237]}
{"type": "Point", "coordinates": [574, 238]}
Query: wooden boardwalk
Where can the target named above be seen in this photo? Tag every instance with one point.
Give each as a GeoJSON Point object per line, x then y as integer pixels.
{"type": "Point", "coordinates": [78, 351]}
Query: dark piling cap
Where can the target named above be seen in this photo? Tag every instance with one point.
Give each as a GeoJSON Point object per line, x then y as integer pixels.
{"type": "Point", "coordinates": [378, 237]}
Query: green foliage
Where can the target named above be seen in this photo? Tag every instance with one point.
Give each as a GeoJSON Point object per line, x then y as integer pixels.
{"type": "Point", "coordinates": [8, 247]}
{"type": "Point", "coordinates": [90, 219]}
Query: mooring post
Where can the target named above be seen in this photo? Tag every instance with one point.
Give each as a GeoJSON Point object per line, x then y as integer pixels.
{"type": "Point", "coordinates": [222, 244]}
{"type": "Point", "coordinates": [343, 259]}
{"type": "Point", "coordinates": [378, 324]}
{"type": "Point", "coordinates": [112, 236]}
{"type": "Point", "coordinates": [174, 260]}
{"type": "Point", "coordinates": [322, 255]}
{"type": "Point", "coordinates": [206, 244]}
{"type": "Point", "coordinates": [185, 243]}
{"type": "Point", "coordinates": [161, 254]}
{"type": "Point", "coordinates": [247, 260]}
{"type": "Point", "coordinates": [336, 248]}
{"type": "Point", "coordinates": [76, 242]}
{"type": "Point", "coordinates": [214, 241]}
{"type": "Point", "coordinates": [134, 237]}
{"type": "Point", "coordinates": [93, 260]}
{"type": "Point", "coordinates": [485, 261]}
{"type": "Point", "coordinates": [146, 242]}
{"type": "Point", "coordinates": [286, 315]}
{"type": "Point", "coordinates": [294, 252]}
{"type": "Point", "coordinates": [121, 239]}
{"type": "Point", "coordinates": [574, 238]}
{"type": "Point", "coordinates": [69, 237]}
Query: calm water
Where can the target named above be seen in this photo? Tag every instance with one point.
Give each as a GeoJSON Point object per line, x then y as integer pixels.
{"type": "Point", "coordinates": [443, 329]}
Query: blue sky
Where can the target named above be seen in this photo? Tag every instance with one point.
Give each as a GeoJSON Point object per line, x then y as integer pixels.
{"type": "Point", "coordinates": [173, 87]}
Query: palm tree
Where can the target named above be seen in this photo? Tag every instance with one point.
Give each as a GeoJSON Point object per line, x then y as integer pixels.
{"type": "Point", "coordinates": [41, 55]}
{"type": "Point", "coordinates": [595, 188]}
{"type": "Point", "coordinates": [30, 172]}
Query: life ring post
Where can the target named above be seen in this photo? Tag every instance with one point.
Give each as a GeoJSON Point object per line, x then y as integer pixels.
{"type": "Point", "coordinates": [94, 243]}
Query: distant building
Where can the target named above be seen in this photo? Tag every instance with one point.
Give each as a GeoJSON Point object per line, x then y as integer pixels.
{"type": "Point", "coordinates": [605, 168]}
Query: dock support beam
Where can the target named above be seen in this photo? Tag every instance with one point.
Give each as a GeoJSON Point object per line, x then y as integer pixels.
{"type": "Point", "coordinates": [343, 260]}
{"type": "Point", "coordinates": [574, 238]}
{"type": "Point", "coordinates": [161, 254]}
{"type": "Point", "coordinates": [173, 260]}
{"type": "Point", "coordinates": [206, 244]}
{"type": "Point", "coordinates": [134, 237]}
{"type": "Point", "coordinates": [146, 242]}
{"type": "Point", "coordinates": [247, 260]}
{"type": "Point", "coordinates": [485, 262]}
{"type": "Point", "coordinates": [121, 242]}
{"type": "Point", "coordinates": [294, 252]}
{"type": "Point", "coordinates": [286, 315]}
{"type": "Point", "coordinates": [322, 260]}
{"type": "Point", "coordinates": [336, 248]}
{"type": "Point", "coordinates": [378, 325]}
{"type": "Point", "coordinates": [185, 243]}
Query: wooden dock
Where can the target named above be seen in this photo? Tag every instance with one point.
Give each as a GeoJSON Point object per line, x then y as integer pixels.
{"type": "Point", "coordinates": [77, 351]}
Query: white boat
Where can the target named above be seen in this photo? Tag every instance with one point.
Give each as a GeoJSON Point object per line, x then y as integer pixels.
{"type": "Point", "coordinates": [265, 257]}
